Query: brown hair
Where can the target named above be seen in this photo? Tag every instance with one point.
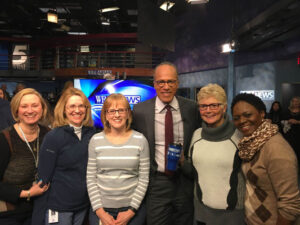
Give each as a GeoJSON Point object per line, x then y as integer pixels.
{"type": "Point", "coordinates": [15, 103]}
{"type": "Point", "coordinates": [107, 103]}
{"type": "Point", "coordinates": [59, 111]}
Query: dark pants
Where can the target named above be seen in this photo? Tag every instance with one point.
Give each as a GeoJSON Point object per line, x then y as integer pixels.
{"type": "Point", "coordinates": [200, 223]}
{"type": "Point", "coordinates": [15, 221]}
{"type": "Point", "coordinates": [138, 219]}
{"type": "Point", "coordinates": [68, 218]}
{"type": "Point", "coordinates": [170, 200]}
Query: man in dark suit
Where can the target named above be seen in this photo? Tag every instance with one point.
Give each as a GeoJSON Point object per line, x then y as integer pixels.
{"type": "Point", "coordinates": [6, 118]}
{"type": "Point", "coordinates": [170, 195]}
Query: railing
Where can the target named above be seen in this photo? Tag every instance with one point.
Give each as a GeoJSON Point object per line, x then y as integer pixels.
{"type": "Point", "coordinates": [101, 59]}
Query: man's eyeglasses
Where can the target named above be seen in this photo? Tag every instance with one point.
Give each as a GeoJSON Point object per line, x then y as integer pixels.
{"type": "Point", "coordinates": [162, 83]}
{"type": "Point", "coordinates": [212, 106]}
{"type": "Point", "coordinates": [121, 111]}
{"type": "Point", "coordinates": [74, 107]}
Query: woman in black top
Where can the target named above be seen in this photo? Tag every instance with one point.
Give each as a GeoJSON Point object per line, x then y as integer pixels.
{"type": "Point", "coordinates": [292, 125]}
{"type": "Point", "coordinates": [18, 158]}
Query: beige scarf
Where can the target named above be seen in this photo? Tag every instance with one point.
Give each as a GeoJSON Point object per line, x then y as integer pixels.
{"type": "Point", "coordinates": [248, 146]}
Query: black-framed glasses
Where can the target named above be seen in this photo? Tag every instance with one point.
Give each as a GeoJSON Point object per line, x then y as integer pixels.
{"type": "Point", "coordinates": [74, 107]}
{"type": "Point", "coordinates": [212, 106]}
{"type": "Point", "coordinates": [162, 83]}
{"type": "Point", "coordinates": [120, 111]}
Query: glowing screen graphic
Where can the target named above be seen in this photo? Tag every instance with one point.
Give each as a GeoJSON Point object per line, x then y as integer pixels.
{"type": "Point", "coordinates": [97, 91]}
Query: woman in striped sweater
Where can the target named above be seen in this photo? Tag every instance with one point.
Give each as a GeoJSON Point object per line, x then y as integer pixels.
{"type": "Point", "coordinates": [118, 167]}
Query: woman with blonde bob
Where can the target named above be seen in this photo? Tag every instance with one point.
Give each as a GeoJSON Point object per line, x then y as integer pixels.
{"type": "Point", "coordinates": [213, 153]}
{"type": "Point", "coordinates": [63, 161]}
{"type": "Point", "coordinates": [19, 158]}
{"type": "Point", "coordinates": [118, 167]}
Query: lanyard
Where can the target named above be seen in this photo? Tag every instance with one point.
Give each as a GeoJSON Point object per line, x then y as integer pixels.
{"type": "Point", "coordinates": [37, 147]}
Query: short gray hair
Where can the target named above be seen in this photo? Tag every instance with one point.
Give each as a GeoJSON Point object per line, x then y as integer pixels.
{"type": "Point", "coordinates": [212, 90]}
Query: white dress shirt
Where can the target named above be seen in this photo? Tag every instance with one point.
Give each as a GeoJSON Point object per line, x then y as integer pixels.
{"type": "Point", "coordinates": [159, 124]}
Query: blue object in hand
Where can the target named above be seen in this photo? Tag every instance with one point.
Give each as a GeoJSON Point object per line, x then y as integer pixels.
{"type": "Point", "coordinates": [174, 152]}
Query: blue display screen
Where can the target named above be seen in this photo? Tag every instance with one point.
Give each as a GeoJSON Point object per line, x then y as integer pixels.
{"type": "Point", "coordinates": [97, 91]}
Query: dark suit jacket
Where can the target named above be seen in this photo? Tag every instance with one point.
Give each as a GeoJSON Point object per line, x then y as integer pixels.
{"type": "Point", "coordinates": [143, 121]}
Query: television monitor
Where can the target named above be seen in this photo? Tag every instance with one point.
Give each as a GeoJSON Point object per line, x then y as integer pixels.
{"type": "Point", "coordinates": [97, 90]}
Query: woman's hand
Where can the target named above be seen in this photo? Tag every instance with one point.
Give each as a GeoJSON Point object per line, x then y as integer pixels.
{"type": "Point", "coordinates": [124, 217]}
{"type": "Point", "coordinates": [35, 190]}
{"type": "Point", "coordinates": [106, 219]}
{"type": "Point", "coordinates": [293, 121]}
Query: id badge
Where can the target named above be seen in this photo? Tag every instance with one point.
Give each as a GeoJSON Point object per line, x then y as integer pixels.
{"type": "Point", "coordinates": [53, 216]}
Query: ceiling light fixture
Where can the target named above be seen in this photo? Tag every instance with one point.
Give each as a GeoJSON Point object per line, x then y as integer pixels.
{"type": "Point", "coordinates": [228, 47]}
{"type": "Point", "coordinates": [104, 21]}
{"type": "Point", "coordinates": [109, 9]}
{"type": "Point", "coordinates": [52, 16]}
{"type": "Point", "coordinates": [167, 5]}
{"type": "Point", "coordinates": [194, 2]}
{"type": "Point", "coordinates": [77, 33]}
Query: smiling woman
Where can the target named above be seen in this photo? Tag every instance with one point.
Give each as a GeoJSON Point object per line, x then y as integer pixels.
{"type": "Point", "coordinates": [213, 154]}
{"type": "Point", "coordinates": [63, 160]}
{"type": "Point", "coordinates": [269, 165]}
{"type": "Point", "coordinates": [118, 167]}
{"type": "Point", "coordinates": [19, 157]}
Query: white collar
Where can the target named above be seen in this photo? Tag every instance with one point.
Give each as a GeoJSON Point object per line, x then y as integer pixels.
{"type": "Point", "coordinates": [160, 106]}
{"type": "Point", "coordinates": [76, 128]}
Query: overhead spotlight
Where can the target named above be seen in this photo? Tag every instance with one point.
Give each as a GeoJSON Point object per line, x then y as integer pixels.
{"type": "Point", "coordinates": [105, 21]}
{"type": "Point", "coordinates": [228, 47]}
{"type": "Point", "coordinates": [77, 33]}
{"type": "Point", "coordinates": [52, 16]}
{"type": "Point", "coordinates": [167, 5]}
{"type": "Point", "coordinates": [109, 9]}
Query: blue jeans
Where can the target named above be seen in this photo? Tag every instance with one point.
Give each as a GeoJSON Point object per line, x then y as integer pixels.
{"type": "Point", "coordinates": [68, 218]}
{"type": "Point", "coordinates": [138, 219]}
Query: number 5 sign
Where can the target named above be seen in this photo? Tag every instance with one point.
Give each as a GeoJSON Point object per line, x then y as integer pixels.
{"type": "Point", "coordinates": [19, 55]}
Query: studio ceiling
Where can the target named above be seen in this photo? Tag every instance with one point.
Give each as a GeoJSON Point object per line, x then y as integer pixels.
{"type": "Point", "coordinates": [272, 23]}
{"type": "Point", "coordinates": [29, 17]}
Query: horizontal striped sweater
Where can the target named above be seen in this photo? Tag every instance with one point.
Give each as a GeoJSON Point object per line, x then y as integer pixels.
{"type": "Point", "coordinates": [117, 175]}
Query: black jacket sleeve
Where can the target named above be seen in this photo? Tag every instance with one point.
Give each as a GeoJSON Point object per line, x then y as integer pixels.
{"type": "Point", "coordinates": [8, 192]}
